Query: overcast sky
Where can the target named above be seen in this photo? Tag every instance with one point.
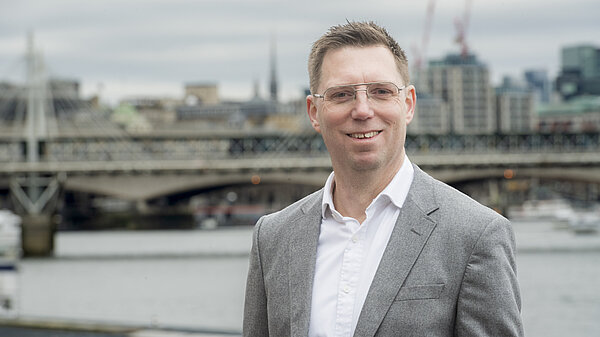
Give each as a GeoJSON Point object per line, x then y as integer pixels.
{"type": "Point", "coordinates": [123, 48]}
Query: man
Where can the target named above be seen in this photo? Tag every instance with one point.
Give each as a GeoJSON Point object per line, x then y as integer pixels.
{"type": "Point", "coordinates": [383, 249]}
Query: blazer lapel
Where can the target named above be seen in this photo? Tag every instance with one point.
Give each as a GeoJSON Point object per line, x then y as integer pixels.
{"type": "Point", "coordinates": [408, 238]}
{"type": "Point", "coordinates": [303, 242]}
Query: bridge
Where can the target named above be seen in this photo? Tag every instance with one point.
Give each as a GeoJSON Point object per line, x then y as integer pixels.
{"type": "Point", "coordinates": [143, 167]}
{"type": "Point", "coordinates": [127, 166]}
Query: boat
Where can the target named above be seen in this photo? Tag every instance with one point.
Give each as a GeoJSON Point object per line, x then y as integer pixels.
{"type": "Point", "coordinates": [10, 253]}
{"type": "Point", "coordinates": [585, 222]}
{"type": "Point", "coordinates": [543, 210]}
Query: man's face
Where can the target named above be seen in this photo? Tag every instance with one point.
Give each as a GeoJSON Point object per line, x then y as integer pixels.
{"type": "Point", "coordinates": [363, 134]}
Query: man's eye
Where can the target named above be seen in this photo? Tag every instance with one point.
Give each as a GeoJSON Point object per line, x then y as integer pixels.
{"type": "Point", "coordinates": [381, 92]}
{"type": "Point", "coordinates": [341, 94]}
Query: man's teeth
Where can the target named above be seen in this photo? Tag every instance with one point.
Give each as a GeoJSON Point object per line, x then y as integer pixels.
{"type": "Point", "coordinates": [364, 135]}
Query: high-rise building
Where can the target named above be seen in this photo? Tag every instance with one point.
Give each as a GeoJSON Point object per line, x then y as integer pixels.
{"type": "Point", "coordinates": [580, 71]}
{"type": "Point", "coordinates": [431, 116]}
{"type": "Point", "coordinates": [463, 83]}
{"type": "Point", "coordinates": [537, 81]}
{"type": "Point", "coordinates": [585, 58]}
{"type": "Point", "coordinates": [515, 107]}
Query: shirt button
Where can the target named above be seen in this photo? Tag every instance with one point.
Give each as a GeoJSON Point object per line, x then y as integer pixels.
{"type": "Point", "coordinates": [354, 239]}
{"type": "Point", "coordinates": [346, 289]}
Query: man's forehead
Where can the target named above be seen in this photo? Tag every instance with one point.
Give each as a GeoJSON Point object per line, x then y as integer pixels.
{"type": "Point", "coordinates": [376, 63]}
{"type": "Point", "coordinates": [357, 49]}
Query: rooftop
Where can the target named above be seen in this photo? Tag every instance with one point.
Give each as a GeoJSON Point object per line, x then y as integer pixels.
{"type": "Point", "coordinates": [576, 106]}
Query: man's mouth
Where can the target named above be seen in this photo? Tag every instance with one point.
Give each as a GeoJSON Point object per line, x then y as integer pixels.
{"type": "Point", "coordinates": [364, 135]}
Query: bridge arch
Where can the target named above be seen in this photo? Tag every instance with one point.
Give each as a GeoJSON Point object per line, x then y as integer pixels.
{"type": "Point", "coordinates": [146, 187]}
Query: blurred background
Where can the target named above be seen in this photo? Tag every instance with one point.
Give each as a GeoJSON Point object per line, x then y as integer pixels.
{"type": "Point", "coordinates": [141, 140]}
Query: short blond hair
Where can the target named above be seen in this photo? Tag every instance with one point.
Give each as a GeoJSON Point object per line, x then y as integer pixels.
{"type": "Point", "coordinates": [353, 34]}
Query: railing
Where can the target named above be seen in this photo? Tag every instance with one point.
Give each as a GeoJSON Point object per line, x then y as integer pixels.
{"type": "Point", "coordinates": [285, 151]}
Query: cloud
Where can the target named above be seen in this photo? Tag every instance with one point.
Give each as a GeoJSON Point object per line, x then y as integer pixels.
{"type": "Point", "coordinates": [228, 41]}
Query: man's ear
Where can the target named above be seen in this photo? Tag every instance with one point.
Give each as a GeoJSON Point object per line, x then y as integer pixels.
{"type": "Point", "coordinates": [411, 102]}
{"type": "Point", "coordinates": [311, 109]}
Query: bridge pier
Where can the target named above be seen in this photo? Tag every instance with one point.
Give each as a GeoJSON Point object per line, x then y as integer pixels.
{"type": "Point", "coordinates": [141, 206]}
{"type": "Point", "coordinates": [37, 235]}
{"type": "Point", "coordinates": [594, 192]}
{"type": "Point", "coordinates": [494, 195]}
{"type": "Point", "coordinates": [36, 198]}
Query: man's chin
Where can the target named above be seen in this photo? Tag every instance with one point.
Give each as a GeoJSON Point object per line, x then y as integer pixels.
{"type": "Point", "coordinates": [365, 164]}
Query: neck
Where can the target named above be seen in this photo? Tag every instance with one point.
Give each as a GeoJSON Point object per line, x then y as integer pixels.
{"type": "Point", "coordinates": [354, 191]}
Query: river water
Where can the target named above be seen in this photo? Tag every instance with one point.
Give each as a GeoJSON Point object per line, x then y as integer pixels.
{"type": "Point", "coordinates": [195, 279]}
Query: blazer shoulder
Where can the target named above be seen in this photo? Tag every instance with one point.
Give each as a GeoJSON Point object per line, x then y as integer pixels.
{"type": "Point", "coordinates": [468, 223]}
{"type": "Point", "coordinates": [293, 213]}
{"type": "Point", "coordinates": [460, 212]}
{"type": "Point", "coordinates": [453, 198]}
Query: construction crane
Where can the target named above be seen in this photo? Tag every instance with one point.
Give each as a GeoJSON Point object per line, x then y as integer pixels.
{"type": "Point", "coordinates": [461, 30]}
{"type": "Point", "coordinates": [420, 51]}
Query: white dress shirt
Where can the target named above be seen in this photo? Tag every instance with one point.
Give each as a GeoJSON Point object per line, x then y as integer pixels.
{"type": "Point", "coordinates": [348, 254]}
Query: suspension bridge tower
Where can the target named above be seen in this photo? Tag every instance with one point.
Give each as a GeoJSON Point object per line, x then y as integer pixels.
{"type": "Point", "coordinates": [34, 194]}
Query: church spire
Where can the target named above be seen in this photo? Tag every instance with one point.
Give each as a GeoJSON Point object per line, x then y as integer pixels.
{"type": "Point", "coordinates": [273, 59]}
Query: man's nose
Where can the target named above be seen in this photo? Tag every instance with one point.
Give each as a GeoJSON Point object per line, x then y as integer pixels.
{"type": "Point", "coordinates": [362, 108]}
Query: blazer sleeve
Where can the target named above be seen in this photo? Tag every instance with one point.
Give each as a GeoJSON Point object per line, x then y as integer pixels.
{"type": "Point", "coordinates": [489, 302]}
{"type": "Point", "coordinates": [255, 305]}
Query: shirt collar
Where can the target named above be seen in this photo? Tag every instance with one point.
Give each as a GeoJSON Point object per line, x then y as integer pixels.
{"type": "Point", "coordinates": [396, 190]}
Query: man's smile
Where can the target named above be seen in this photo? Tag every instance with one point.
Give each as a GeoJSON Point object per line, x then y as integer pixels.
{"type": "Point", "coordinates": [370, 134]}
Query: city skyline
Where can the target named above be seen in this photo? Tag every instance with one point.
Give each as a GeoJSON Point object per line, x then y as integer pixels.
{"type": "Point", "coordinates": [136, 48]}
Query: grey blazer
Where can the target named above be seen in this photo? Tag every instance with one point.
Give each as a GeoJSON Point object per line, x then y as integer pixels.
{"type": "Point", "coordinates": [448, 270]}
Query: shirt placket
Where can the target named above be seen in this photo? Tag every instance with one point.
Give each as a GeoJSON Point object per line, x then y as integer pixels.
{"type": "Point", "coordinates": [349, 278]}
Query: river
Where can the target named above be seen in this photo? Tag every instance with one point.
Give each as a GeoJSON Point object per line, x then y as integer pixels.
{"type": "Point", "coordinates": [195, 279]}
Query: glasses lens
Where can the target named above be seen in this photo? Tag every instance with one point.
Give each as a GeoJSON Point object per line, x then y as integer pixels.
{"type": "Point", "coordinates": [340, 94]}
{"type": "Point", "coordinates": [382, 91]}
{"type": "Point", "coordinates": [377, 92]}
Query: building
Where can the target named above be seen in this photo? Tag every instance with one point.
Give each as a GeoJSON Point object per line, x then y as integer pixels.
{"type": "Point", "coordinates": [64, 88]}
{"type": "Point", "coordinates": [201, 94]}
{"type": "Point", "coordinates": [157, 110]}
{"type": "Point", "coordinates": [585, 58]}
{"type": "Point", "coordinates": [515, 107]}
{"type": "Point", "coordinates": [463, 84]}
{"type": "Point", "coordinates": [11, 97]}
{"type": "Point", "coordinates": [537, 81]}
{"type": "Point", "coordinates": [61, 98]}
{"type": "Point", "coordinates": [431, 116]}
{"type": "Point", "coordinates": [580, 114]}
{"type": "Point", "coordinates": [233, 114]}
{"type": "Point", "coordinates": [580, 71]}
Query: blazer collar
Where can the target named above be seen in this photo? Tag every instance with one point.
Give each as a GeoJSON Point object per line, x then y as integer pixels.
{"type": "Point", "coordinates": [410, 234]}
{"type": "Point", "coordinates": [302, 252]}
